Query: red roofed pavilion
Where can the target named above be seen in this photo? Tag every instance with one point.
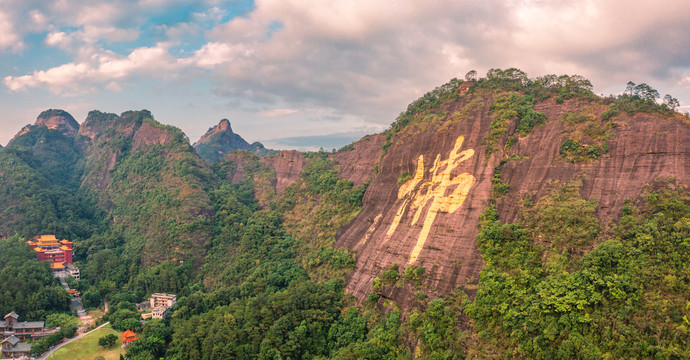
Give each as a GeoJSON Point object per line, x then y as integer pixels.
{"type": "Point", "coordinates": [128, 337]}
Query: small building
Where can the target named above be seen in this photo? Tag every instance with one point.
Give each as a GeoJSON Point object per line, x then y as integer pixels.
{"type": "Point", "coordinates": [24, 329]}
{"type": "Point", "coordinates": [12, 348]}
{"type": "Point", "coordinates": [128, 337]}
{"type": "Point", "coordinates": [144, 305]}
{"type": "Point", "coordinates": [72, 271]}
{"type": "Point", "coordinates": [160, 312]}
{"type": "Point", "coordinates": [76, 295]}
{"type": "Point", "coordinates": [163, 299]}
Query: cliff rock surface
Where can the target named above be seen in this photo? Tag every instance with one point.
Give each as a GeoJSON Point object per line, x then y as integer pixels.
{"type": "Point", "coordinates": [53, 119]}
{"type": "Point", "coordinates": [435, 179]}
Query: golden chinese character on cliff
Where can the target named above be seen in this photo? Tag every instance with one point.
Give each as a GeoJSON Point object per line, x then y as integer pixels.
{"type": "Point", "coordinates": [418, 193]}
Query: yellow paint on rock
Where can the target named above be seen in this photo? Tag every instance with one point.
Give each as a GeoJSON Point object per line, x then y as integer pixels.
{"type": "Point", "coordinates": [416, 195]}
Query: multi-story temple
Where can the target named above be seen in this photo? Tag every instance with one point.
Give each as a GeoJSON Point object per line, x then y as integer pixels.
{"type": "Point", "coordinates": [49, 248]}
{"type": "Point", "coordinates": [57, 252]}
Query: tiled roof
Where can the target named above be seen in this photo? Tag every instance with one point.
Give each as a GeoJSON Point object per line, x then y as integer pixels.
{"type": "Point", "coordinates": [13, 340]}
{"type": "Point", "coordinates": [29, 325]}
{"type": "Point", "coordinates": [12, 314]}
{"type": "Point", "coordinates": [21, 347]}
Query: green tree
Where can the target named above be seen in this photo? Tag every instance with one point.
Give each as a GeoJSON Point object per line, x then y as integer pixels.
{"type": "Point", "coordinates": [107, 341]}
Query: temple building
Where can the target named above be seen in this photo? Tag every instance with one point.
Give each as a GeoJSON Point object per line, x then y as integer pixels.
{"type": "Point", "coordinates": [58, 252]}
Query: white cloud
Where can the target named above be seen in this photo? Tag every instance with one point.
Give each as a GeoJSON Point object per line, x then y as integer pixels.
{"type": "Point", "coordinates": [9, 38]}
{"type": "Point", "coordinates": [104, 69]}
{"type": "Point", "coordinates": [357, 59]}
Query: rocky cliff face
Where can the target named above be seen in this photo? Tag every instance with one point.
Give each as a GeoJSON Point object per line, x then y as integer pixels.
{"type": "Point", "coordinates": [357, 163]}
{"type": "Point", "coordinates": [435, 180]}
{"type": "Point", "coordinates": [53, 119]}
{"type": "Point", "coordinates": [288, 166]}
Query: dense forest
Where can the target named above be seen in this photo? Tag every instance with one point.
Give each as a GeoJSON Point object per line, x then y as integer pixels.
{"type": "Point", "coordinates": [257, 274]}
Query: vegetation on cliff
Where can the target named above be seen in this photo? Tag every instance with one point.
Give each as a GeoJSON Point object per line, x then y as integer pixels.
{"type": "Point", "coordinates": [257, 274]}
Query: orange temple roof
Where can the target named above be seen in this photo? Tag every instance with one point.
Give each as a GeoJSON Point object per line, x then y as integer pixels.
{"type": "Point", "coordinates": [65, 242]}
{"type": "Point", "coordinates": [128, 336]}
{"type": "Point", "coordinates": [47, 243]}
{"type": "Point", "coordinates": [57, 265]}
{"type": "Point", "coordinates": [64, 248]}
{"type": "Point", "coordinates": [38, 249]}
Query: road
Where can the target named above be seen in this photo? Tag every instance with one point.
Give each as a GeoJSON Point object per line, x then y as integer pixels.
{"type": "Point", "coordinates": [47, 353]}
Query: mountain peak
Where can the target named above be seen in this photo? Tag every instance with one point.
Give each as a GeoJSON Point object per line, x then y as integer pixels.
{"type": "Point", "coordinates": [224, 125]}
{"type": "Point", "coordinates": [58, 120]}
{"type": "Point", "coordinates": [54, 119]}
{"type": "Point", "coordinates": [220, 140]}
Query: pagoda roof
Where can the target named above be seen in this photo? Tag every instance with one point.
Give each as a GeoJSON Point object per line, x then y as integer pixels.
{"type": "Point", "coordinates": [45, 238]}
{"type": "Point", "coordinates": [65, 241]}
{"type": "Point", "coordinates": [57, 265]}
{"type": "Point", "coordinates": [129, 333]}
{"type": "Point", "coordinates": [38, 249]}
{"type": "Point", "coordinates": [31, 243]}
{"type": "Point", "coordinates": [65, 248]}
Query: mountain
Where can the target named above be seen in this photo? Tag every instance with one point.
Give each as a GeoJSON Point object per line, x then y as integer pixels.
{"type": "Point", "coordinates": [450, 156]}
{"type": "Point", "coordinates": [220, 140]}
{"type": "Point", "coordinates": [151, 181]}
{"type": "Point", "coordinates": [497, 217]}
{"type": "Point", "coordinates": [53, 119]}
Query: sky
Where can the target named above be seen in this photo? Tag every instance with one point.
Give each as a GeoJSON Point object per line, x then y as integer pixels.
{"type": "Point", "coordinates": [303, 74]}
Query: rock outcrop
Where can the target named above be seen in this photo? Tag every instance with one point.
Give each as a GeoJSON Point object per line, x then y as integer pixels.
{"type": "Point", "coordinates": [218, 141]}
{"type": "Point", "coordinates": [288, 166]}
{"type": "Point", "coordinates": [357, 163]}
{"type": "Point", "coordinates": [53, 119]}
{"type": "Point", "coordinates": [434, 182]}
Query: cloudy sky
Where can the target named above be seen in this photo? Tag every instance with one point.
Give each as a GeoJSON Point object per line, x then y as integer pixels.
{"type": "Point", "coordinates": [315, 72]}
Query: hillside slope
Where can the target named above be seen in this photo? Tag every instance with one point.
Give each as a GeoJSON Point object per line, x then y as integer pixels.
{"type": "Point", "coordinates": [436, 176]}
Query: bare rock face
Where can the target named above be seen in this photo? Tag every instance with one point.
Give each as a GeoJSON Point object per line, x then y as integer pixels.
{"type": "Point", "coordinates": [222, 127]}
{"type": "Point", "coordinates": [148, 135]}
{"type": "Point", "coordinates": [434, 182]}
{"type": "Point", "coordinates": [53, 119]}
{"type": "Point", "coordinates": [58, 120]}
{"type": "Point", "coordinates": [240, 162]}
{"type": "Point", "coordinates": [288, 166]}
{"type": "Point", "coordinates": [645, 148]}
{"type": "Point", "coordinates": [357, 164]}
{"type": "Point", "coordinates": [430, 220]}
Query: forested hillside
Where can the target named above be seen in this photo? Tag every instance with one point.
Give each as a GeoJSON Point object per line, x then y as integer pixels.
{"type": "Point", "coordinates": [502, 217]}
